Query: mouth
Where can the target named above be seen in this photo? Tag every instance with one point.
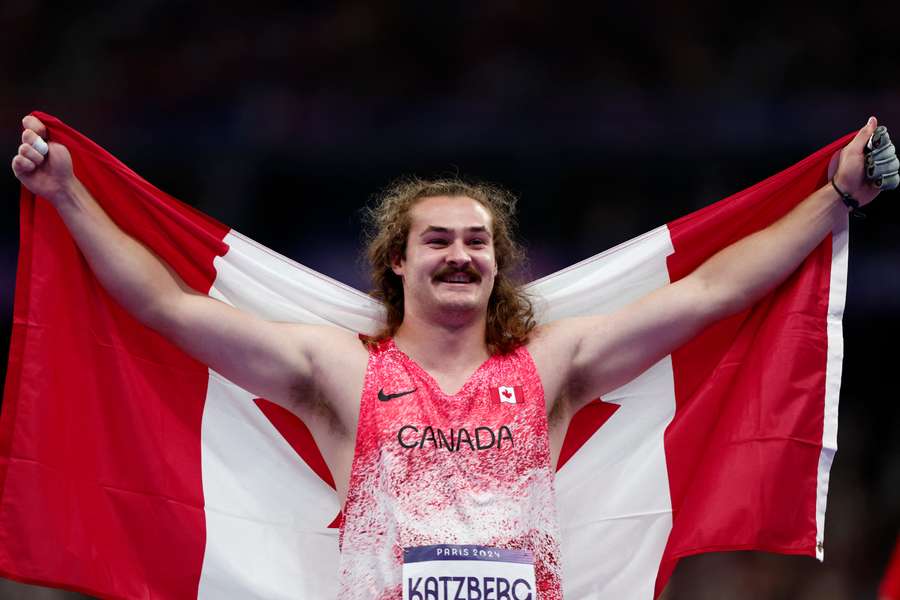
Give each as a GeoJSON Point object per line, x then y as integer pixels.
{"type": "Point", "coordinates": [457, 278]}
{"type": "Point", "coordinates": [454, 283]}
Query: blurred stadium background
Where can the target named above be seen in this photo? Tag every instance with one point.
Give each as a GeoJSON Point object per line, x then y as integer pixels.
{"type": "Point", "coordinates": [282, 119]}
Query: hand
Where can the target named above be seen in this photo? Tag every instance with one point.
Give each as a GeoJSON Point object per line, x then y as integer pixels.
{"type": "Point", "coordinates": [48, 176]}
{"type": "Point", "coordinates": [851, 171]}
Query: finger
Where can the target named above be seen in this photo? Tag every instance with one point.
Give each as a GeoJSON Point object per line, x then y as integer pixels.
{"type": "Point", "coordinates": [33, 139]}
{"type": "Point", "coordinates": [35, 124]}
{"type": "Point", "coordinates": [879, 140]}
{"type": "Point", "coordinates": [22, 165]}
{"type": "Point", "coordinates": [29, 152]}
{"type": "Point", "coordinates": [859, 142]}
{"type": "Point", "coordinates": [890, 182]}
{"type": "Point", "coordinates": [882, 166]}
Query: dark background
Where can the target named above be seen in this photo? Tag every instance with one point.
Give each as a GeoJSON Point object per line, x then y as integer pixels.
{"type": "Point", "coordinates": [283, 119]}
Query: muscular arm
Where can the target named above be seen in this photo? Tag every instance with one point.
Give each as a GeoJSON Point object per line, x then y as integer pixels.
{"type": "Point", "coordinates": [604, 352]}
{"type": "Point", "coordinates": [269, 359]}
{"type": "Point", "coordinates": [265, 358]}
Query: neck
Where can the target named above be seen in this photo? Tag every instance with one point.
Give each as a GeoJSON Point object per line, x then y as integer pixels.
{"type": "Point", "coordinates": [443, 345]}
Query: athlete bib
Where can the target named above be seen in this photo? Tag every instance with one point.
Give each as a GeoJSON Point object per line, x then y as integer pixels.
{"type": "Point", "coordinates": [467, 572]}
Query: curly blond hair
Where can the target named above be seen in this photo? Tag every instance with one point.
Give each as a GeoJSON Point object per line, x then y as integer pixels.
{"type": "Point", "coordinates": [510, 314]}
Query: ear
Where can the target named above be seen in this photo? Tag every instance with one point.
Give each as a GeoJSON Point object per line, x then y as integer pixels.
{"type": "Point", "coordinates": [397, 263]}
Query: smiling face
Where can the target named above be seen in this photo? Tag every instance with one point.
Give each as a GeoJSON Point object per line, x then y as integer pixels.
{"type": "Point", "coordinates": [449, 266]}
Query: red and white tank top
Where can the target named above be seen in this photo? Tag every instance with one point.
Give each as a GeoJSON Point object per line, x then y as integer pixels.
{"type": "Point", "coordinates": [430, 469]}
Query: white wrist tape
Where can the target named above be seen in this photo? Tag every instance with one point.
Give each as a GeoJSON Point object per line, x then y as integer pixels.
{"type": "Point", "coordinates": [41, 146]}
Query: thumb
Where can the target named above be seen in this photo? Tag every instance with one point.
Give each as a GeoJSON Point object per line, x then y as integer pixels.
{"type": "Point", "coordinates": [33, 123]}
{"type": "Point", "coordinates": [859, 142]}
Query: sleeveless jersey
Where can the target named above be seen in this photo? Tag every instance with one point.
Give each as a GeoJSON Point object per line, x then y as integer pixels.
{"type": "Point", "coordinates": [430, 469]}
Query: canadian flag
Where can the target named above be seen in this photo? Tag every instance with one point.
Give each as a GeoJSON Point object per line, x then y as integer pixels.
{"type": "Point", "coordinates": [508, 394]}
{"type": "Point", "coordinates": [130, 470]}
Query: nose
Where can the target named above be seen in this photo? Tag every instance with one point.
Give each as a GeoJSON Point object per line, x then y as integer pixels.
{"type": "Point", "coordinates": [457, 254]}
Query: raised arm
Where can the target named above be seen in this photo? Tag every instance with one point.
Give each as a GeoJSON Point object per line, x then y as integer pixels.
{"type": "Point", "coordinates": [269, 359]}
{"type": "Point", "coordinates": [604, 352]}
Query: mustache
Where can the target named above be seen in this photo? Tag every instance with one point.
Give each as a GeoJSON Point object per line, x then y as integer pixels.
{"type": "Point", "coordinates": [468, 270]}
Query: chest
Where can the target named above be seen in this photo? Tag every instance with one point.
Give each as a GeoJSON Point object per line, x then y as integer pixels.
{"type": "Point", "coordinates": [405, 407]}
{"type": "Point", "coordinates": [450, 383]}
{"type": "Point", "coordinates": [399, 396]}
{"type": "Point", "coordinates": [439, 450]}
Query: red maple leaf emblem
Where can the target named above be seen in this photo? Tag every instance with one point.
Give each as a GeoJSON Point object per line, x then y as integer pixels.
{"type": "Point", "coordinates": [506, 393]}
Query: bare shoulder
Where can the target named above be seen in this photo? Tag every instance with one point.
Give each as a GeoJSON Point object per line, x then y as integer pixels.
{"type": "Point", "coordinates": [326, 395]}
{"type": "Point", "coordinates": [558, 341]}
{"type": "Point", "coordinates": [552, 346]}
{"type": "Point", "coordinates": [334, 352]}
{"type": "Point", "coordinates": [556, 348]}
{"type": "Point", "coordinates": [593, 354]}
{"type": "Point", "coordinates": [328, 339]}
{"type": "Point", "coordinates": [337, 360]}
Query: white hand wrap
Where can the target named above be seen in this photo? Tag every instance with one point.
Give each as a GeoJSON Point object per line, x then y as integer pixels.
{"type": "Point", "coordinates": [41, 146]}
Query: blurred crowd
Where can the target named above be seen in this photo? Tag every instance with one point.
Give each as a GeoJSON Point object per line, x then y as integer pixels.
{"type": "Point", "coordinates": [282, 119]}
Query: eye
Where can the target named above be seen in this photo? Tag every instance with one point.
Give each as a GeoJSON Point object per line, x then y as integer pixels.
{"type": "Point", "coordinates": [478, 242]}
{"type": "Point", "coordinates": [436, 242]}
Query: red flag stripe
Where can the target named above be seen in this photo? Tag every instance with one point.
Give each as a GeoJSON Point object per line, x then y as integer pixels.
{"type": "Point", "coordinates": [744, 446]}
{"type": "Point", "coordinates": [69, 477]}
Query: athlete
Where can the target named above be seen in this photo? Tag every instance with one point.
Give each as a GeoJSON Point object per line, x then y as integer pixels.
{"type": "Point", "coordinates": [404, 419]}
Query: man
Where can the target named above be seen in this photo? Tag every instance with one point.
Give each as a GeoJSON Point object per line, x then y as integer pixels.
{"type": "Point", "coordinates": [444, 380]}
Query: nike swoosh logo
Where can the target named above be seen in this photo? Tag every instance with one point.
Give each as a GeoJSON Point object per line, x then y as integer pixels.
{"type": "Point", "coordinates": [385, 397]}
